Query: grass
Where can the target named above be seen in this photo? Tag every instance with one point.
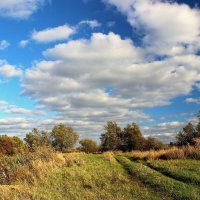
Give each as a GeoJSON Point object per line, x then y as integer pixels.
{"type": "Point", "coordinates": [174, 188]}
{"type": "Point", "coordinates": [184, 170]}
{"type": "Point", "coordinates": [97, 178]}
{"type": "Point", "coordinates": [48, 175]}
{"type": "Point", "coordinates": [168, 154]}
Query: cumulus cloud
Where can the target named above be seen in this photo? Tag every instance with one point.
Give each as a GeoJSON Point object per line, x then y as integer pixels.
{"type": "Point", "coordinates": [53, 34]}
{"type": "Point", "coordinates": [4, 44]}
{"type": "Point", "coordinates": [8, 71]}
{"type": "Point", "coordinates": [176, 32]}
{"type": "Point", "coordinates": [107, 78]}
{"type": "Point", "coordinates": [20, 9]}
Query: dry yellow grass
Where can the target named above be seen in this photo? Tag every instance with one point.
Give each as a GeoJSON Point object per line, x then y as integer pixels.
{"type": "Point", "coordinates": [172, 153]}
{"type": "Point", "coordinates": [109, 156]}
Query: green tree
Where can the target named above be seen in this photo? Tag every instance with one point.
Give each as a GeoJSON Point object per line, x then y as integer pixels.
{"type": "Point", "coordinates": [187, 135]}
{"type": "Point", "coordinates": [133, 138]}
{"type": "Point", "coordinates": [63, 137]}
{"type": "Point", "coordinates": [153, 144]}
{"type": "Point", "coordinates": [111, 138]}
{"type": "Point", "coordinates": [88, 145]}
{"type": "Point", "coordinates": [198, 125]}
{"type": "Point", "coordinates": [38, 138]}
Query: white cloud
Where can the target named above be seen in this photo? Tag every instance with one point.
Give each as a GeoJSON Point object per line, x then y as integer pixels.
{"type": "Point", "coordinates": [23, 111]}
{"type": "Point", "coordinates": [20, 9]}
{"type": "Point", "coordinates": [165, 131]}
{"type": "Point", "coordinates": [53, 34]}
{"type": "Point", "coordinates": [75, 84]}
{"type": "Point", "coordinates": [23, 43]}
{"type": "Point", "coordinates": [91, 23]}
{"type": "Point", "coordinates": [4, 44]}
{"type": "Point", "coordinates": [8, 71]}
{"type": "Point", "coordinates": [193, 100]}
{"type": "Point", "coordinates": [174, 33]}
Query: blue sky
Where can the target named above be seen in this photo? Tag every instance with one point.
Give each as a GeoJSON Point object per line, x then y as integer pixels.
{"type": "Point", "coordinates": [84, 62]}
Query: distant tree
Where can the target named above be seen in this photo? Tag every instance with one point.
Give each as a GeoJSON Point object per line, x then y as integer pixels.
{"type": "Point", "coordinates": [38, 138]}
{"type": "Point", "coordinates": [133, 138]}
{"type": "Point", "coordinates": [153, 144]}
{"type": "Point", "coordinates": [188, 135]}
{"type": "Point", "coordinates": [111, 138]}
{"type": "Point", "coordinates": [88, 145]}
{"type": "Point", "coordinates": [11, 145]}
{"type": "Point", "coordinates": [63, 137]}
{"type": "Point", "coordinates": [197, 128]}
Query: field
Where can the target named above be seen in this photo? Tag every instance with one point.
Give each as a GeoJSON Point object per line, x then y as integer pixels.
{"type": "Point", "coordinates": [108, 176]}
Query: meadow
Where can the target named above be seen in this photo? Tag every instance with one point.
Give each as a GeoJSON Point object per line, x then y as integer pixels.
{"type": "Point", "coordinates": [49, 175]}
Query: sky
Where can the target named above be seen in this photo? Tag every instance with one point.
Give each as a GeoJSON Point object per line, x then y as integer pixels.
{"type": "Point", "coordinates": [85, 62]}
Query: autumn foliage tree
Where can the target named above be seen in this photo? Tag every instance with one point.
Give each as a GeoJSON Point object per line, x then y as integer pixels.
{"type": "Point", "coordinates": [11, 145]}
{"type": "Point", "coordinates": [37, 138]}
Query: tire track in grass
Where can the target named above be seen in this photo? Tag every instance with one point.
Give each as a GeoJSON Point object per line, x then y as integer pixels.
{"type": "Point", "coordinates": [156, 194]}
{"type": "Point", "coordinates": [175, 189]}
{"type": "Point", "coordinates": [184, 178]}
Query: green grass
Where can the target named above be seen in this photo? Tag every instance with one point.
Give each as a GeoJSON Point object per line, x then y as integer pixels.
{"type": "Point", "coordinates": [169, 186]}
{"type": "Point", "coordinates": [79, 176]}
{"type": "Point", "coordinates": [96, 179]}
{"type": "Point", "coordinates": [187, 171]}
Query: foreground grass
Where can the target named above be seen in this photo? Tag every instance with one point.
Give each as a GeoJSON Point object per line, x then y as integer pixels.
{"type": "Point", "coordinates": [46, 175]}
{"type": "Point", "coordinates": [175, 189]}
{"type": "Point", "coordinates": [82, 176]}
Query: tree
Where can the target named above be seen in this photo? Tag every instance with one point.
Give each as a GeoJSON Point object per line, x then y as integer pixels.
{"type": "Point", "coordinates": [187, 135]}
{"type": "Point", "coordinates": [63, 137]}
{"type": "Point", "coordinates": [133, 138]}
{"type": "Point", "coordinates": [111, 138]}
{"type": "Point", "coordinates": [11, 145]}
{"type": "Point", "coordinates": [153, 144]}
{"type": "Point", "coordinates": [88, 145]}
{"type": "Point", "coordinates": [38, 138]}
{"type": "Point", "coordinates": [198, 125]}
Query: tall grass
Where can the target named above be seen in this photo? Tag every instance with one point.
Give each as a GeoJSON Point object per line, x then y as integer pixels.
{"type": "Point", "coordinates": [167, 154]}
{"type": "Point", "coordinates": [28, 167]}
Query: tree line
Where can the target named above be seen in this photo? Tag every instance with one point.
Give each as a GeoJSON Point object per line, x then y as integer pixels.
{"type": "Point", "coordinates": [64, 138]}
